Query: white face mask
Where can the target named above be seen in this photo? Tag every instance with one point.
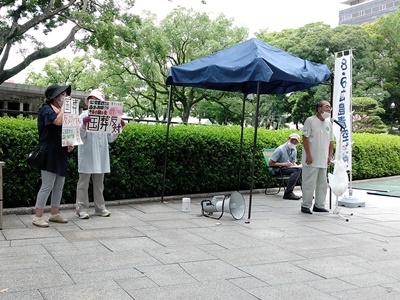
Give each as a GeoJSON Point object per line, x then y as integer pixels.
{"type": "Point", "coordinates": [61, 101]}
{"type": "Point", "coordinates": [291, 146]}
{"type": "Point", "coordinates": [326, 115]}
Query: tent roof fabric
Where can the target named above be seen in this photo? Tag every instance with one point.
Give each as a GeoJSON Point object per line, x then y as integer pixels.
{"type": "Point", "coordinates": [239, 68]}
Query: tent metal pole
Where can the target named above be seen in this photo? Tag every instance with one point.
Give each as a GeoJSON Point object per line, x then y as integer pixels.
{"type": "Point", "coordinates": [330, 167]}
{"type": "Point", "coordinates": [254, 148]}
{"type": "Point", "coordinates": [166, 142]}
{"type": "Point", "coordinates": [241, 142]}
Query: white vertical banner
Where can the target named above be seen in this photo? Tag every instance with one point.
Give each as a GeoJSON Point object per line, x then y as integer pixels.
{"type": "Point", "coordinates": [341, 107]}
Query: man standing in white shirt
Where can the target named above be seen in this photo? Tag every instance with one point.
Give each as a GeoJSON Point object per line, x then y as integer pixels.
{"type": "Point", "coordinates": [316, 155]}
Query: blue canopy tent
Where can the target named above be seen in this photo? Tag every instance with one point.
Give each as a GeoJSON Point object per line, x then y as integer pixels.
{"type": "Point", "coordinates": [251, 67]}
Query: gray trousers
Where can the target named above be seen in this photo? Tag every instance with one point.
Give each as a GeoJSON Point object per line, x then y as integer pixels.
{"type": "Point", "coordinates": [314, 180]}
{"type": "Point", "coordinates": [51, 183]}
{"type": "Point", "coordinates": [82, 196]}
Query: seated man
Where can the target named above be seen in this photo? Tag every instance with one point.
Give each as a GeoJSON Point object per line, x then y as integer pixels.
{"type": "Point", "coordinates": [285, 157]}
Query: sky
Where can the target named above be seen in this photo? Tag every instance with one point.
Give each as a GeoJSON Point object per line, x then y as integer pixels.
{"type": "Point", "coordinates": [272, 15]}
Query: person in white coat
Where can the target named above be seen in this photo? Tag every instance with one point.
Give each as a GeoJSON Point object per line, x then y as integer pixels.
{"type": "Point", "coordinates": [316, 156]}
{"type": "Point", "coordinates": [93, 162]}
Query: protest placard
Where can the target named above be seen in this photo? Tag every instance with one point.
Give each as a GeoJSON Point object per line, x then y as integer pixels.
{"type": "Point", "coordinates": [105, 116]}
{"type": "Point", "coordinates": [70, 128]}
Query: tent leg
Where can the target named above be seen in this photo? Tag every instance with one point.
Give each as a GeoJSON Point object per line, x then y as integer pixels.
{"type": "Point", "coordinates": [254, 150]}
{"type": "Point", "coordinates": [241, 142]}
{"type": "Point", "coordinates": [166, 142]}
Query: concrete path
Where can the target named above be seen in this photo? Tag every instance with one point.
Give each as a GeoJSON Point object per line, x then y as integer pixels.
{"type": "Point", "coordinates": [155, 251]}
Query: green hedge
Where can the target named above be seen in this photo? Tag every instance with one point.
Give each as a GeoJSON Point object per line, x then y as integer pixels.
{"type": "Point", "coordinates": [201, 159]}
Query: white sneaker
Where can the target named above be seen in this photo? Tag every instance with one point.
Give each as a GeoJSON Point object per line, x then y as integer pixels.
{"type": "Point", "coordinates": [57, 218]}
{"type": "Point", "coordinates": [103, 213]}
{"type": "Point", "coordinates": [82, 215]}
{"type": "Point", "coordinates": [39, 222]}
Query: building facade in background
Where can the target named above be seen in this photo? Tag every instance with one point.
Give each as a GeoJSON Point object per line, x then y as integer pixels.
{"type": "Point", "coordinates": [25, 100]}
{"type": "Point", "coordinates": [366, 11]}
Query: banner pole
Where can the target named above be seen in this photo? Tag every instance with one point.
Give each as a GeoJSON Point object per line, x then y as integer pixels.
{"type": "Point", "coordinates": [342, 112]}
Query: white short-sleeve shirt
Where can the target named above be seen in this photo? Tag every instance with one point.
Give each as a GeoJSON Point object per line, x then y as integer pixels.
{"type": "Point", "coordinates": [320, 135]}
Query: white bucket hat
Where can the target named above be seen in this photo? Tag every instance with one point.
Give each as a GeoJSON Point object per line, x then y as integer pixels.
{"type": "Point", "coordinates": [96, 93]}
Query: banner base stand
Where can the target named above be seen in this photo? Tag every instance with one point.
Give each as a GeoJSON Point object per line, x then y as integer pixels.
{"type": "Point", "coordinates": [351, 201]}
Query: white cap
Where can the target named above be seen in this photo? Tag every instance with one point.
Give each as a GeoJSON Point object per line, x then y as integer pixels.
{"type": "Point", "coordinates": [96, 93]}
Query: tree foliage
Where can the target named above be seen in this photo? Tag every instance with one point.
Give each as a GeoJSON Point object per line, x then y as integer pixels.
{"type": "Point", "coordinates": [366, 116]}
{"type": "Point", "coordinates": [26, 25]}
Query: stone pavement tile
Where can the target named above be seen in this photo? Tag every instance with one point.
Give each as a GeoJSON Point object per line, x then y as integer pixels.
{"type": "Point", "coordinates": [374, 252]}
{"type": "Point", "coordinates": [280, 273]}
{"type": "Point", "coordinates": [226, 237]}
{"type": "Point", "coordinates": [172, 224]}
{"type": "Point", "coordinates": [106, 275]}
{"type": "Point", "coordinates": [389, 267]}
{"type": "Point", "coordinates": [164, 275]}
{"type": "Point", "coordinates": [368, 279]}
{"type": "Point", "coordinates": [216, 289]}
{"type": "Point", "coordinates": [377, 229]}
{"type": "Point", "coordinates": [247, 283]}
{"type": "Point", "coordinates": [331, 267]}
{"type": "Point", "coordinates": [331, 228]}
{"type": "Point", "coordinates": [395, 287]}
{"type": "Point", "coordinates": [176, 237]}
{"type": "Point", "coordinates": [4, 243]}
{"type": "Point", "coordinates": [154, 208]}
{"type": "Point", "coordinates": [20, 251]}
{"type": "Point", "coordinates": [368, 293]}
{"type": "Point", "coordinates": [290, 292]}
{"type": "Point", "coordinates": [391, 224]}
{"type": "Point", "coordinates": [358, 239]}
{"type": "Point", "coordinates": [35, 277]}
{"type": "Point", "coordinates": [161, 216]}
{"type": "Point", "coordinates": [330, 285]}
{"type": "Point", "coordinates": [309, 243]}
{"type": "Point", "coordinates": [22, 262]}
{"type": "Point", "coordinates": [131, 244]}
{"type": "Point", "coordinates": [13, 221]}
{"type": "Point", "coordinates": [117, 219]}
{"type": "Point", "coordinates": [87, 263]}
{"type": "Point", "coordinates": [137, 283]}
{"type": "Point", "coordinates": [256, 255]}
{"type": "Point", "coordinates": [104, 233]}
{"type": "Point", "coordinates": [178, 254]}
{"type": "Point", "coordinates": [30, 233]}
{"type": "Point", "coordinates": [212, 269]}
{"type": "Point", "coordinates": [107, 290]}
{"type": "Point", "coordinates": [26, 295]}
{"type": "Point", "coordinates": [39, 241]}
{"type": "Point", "coordinates": [76, 248]}
{"type": "Point", "coordinates": [269, 231]}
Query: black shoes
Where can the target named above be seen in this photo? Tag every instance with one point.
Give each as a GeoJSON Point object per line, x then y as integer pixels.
{"type": "Point", "coordinates": [317, 209]}
{"type": "Point", "coordinates": [291, 196]}
{"type": "Point", "coordinates": [306, 210]}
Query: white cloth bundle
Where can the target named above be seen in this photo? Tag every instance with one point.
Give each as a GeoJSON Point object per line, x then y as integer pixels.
{"type": "Point", "coordinates": [339, 180]}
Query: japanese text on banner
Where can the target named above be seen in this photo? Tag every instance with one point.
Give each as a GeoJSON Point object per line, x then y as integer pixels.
{"type": "Point", "coordinates": [342, 107]}
{"type": "Point", "coordinates": [105, 116]}
{"type": "Point", "coordinates": [70, 128]}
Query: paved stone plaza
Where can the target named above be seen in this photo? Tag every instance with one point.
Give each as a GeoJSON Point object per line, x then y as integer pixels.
{"type": "Point", "coordinates": [153, 250]}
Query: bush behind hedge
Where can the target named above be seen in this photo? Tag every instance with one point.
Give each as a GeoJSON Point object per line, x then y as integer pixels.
{"type": "Point", "coordinates": [201, 159]}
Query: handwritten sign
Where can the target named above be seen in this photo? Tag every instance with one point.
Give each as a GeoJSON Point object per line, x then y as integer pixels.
{"type": "Point", "coordinates": [105, 116]}
{"type": "Point", "coordinates": [70, 128]}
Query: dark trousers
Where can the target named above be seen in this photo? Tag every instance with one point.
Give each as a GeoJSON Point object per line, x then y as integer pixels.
{"type": "Point", "coordinates": [294, 176]}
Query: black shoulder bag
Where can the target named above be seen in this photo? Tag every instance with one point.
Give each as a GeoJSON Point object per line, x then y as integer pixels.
{"type": "Point", "coordinates": [37, 155]}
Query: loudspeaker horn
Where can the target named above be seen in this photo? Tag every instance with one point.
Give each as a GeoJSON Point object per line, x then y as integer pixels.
{"type": "Point", "coordinates": [235, 205]}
